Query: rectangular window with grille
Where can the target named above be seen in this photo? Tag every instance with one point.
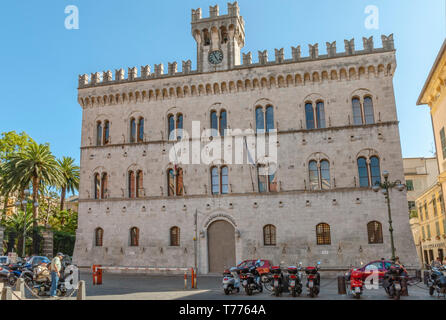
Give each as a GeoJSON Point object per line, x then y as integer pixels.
{"type": "Point", "coordinates": [323, 234]}
{"type": "Point", "coordinates": [443, 142]}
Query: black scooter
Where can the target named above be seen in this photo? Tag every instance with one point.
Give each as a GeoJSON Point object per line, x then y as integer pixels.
{"type": "Point", "coordinates": [393, 281]}
{"type": "Point", "coordinates": [437, 280]}
{"type": "Point", "coordinates": [251, 280]}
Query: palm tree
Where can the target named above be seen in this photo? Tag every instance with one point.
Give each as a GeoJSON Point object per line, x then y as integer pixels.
{"type": "Point", "coordinates": [70, 182]}
{"type": "Point", "coordinates": [17, 222]}
{"type": "Point", "coordinates": [34, 164]}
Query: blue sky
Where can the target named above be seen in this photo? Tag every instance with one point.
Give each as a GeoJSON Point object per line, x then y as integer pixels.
{"type": "Point", "coordinates": [41, 59]}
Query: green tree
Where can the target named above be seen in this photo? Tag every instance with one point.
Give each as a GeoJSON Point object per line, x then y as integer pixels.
{"type": "Point", "coordinates": [34, 165]}
{"type": "Point", "coordinates": [19, 222]}
{"type": "Point", "coordinates": [64, 221]}
{"type": "Point", "coordinates": [70, 182]}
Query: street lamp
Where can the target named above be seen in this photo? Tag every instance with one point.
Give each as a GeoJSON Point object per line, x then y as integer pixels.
{"type": "Point", "coordinates": [385, 187]}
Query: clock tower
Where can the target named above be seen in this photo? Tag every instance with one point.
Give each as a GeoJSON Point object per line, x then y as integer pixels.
{"type": "Point", "coordinates": [219, 38]}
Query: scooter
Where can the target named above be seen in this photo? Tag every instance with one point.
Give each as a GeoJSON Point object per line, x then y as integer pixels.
{"type": "Point", "coordinates": [231, 280]}
{"type": "Point", "coordinates": [437, 281]}
{"type": "Point", "coordinates": [313, 280]}
{"type": "Point", "coordinates": [295, 280]}
{"type": "Point", "coordinates": [251, 279]}
{"type": "Point", "coordinates": [42, 282]}
{"type": "Point", "coordinates": [393, 281]}
{"type": "Point", "coordinates": [356, 283]}
{"type": "Point", "coordinates": [278, 280]}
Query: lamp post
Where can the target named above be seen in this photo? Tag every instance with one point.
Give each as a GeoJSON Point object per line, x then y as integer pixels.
{"type": "Point", "coordinates": [384, 187]}
{"type": "Point", "coordinates": [24, 202]}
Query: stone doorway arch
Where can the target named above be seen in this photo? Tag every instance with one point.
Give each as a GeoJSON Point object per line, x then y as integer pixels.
{"type": "Point", "coordinates": [221, 246]}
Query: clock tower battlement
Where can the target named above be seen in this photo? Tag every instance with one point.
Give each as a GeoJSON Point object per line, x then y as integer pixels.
{"type": "Point", "coordinates": [219, 38]}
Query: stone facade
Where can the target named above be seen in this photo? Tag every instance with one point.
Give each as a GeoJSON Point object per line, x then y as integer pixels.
{"type": "Point", "coordinates": [239, 88]}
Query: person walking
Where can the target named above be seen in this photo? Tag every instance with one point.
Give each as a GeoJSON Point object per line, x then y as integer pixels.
{"type": "Point", "coordinates": [55, 268]}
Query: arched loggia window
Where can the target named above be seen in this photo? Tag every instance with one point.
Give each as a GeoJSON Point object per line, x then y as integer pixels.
{"type": "Point", "coordinates": [369, 171]}
{"type": "Point", "coordinates": [219, 180]}
{"type": "Point", "coordinates": [175, 185]}
{"type": "Point", "coordinates": [319, 175]}
{"type": "Point", "coordinates": [264, 119]}
{"type": "Point", "coordinates": [315, 115]}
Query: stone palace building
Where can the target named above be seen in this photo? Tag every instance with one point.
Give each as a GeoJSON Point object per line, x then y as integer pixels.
{"type": "Point", "coordinates": [331, 128]}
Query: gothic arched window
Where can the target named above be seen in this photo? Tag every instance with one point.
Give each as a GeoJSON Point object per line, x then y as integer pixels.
{"type": "Point", "coordinates": [141, 129]}
{"type": "Point", "coordinates": [134, 237]}
{"type": "Point", "coordinates": [98, 236]}
{"type": "Point", "coordinates": [99, 133]}
{"type": "Point", "coordinates": [375, 232]}
{"type": "Point", "coordinates": [269, 235]}
{"type": "Point", "coordinates": [175, 236]}
{"type": "Point", "coordinates": [106, 138]}
{"type": "Point", "coordinates": [323, 236]}
{"type": "Point", "coordinates": [132, 130]}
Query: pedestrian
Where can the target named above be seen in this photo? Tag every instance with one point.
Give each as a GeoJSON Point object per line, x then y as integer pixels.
{"type": "Point", "coordinates": [436, 263]}
{"type": "Point", "coordinates": [55, 268]}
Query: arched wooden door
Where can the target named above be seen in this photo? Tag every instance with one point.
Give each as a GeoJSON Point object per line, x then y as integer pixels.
{"type": "Point", "coordinates": [221, 246]}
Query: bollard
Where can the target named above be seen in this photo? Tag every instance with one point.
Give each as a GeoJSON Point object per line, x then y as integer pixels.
{"type": "Point", "coordinates": [94, 274]}
{"type": "Point", "coordinates": [81, 293]}
{"type": "Point", "coordinates": [6, 293]}
{"type": "Point", "coordinates": [195, 279]}
{"type": "Point", "coordinates": [341, 285]}
{"type": "Point", "coordinates": [185, 280]}
{"type": "Point", "coordinates": [20, 288]}
{"type": "Point", "coordinates": [99, 280]}
{"type": "Point", "coordinates": [97, 274]}
{"type": "Point", "coordinates": [192, 280]}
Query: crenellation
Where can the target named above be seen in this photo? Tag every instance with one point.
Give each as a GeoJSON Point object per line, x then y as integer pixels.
{"type": "Point", "coordinates": [247, 58]}
{"type": "Point", "coordinates": [263, 57]}
{"type": "Point", "coordinates": [314, 51]}
{"type": "Point", "coordinates": [349, 47]}
{"type": "Point", "coordinates": [159, 69]}
{"type": "Point", "coordinates": [196, 14]}
{"type": "Point", "coordinates": [387, 41]}
{"type": "Point", "coordinates": [233, 9]}
{"type": "Point", "coordinates": [172, 68]}
{"type": "Point", "coordinates": [296, 53]}
{"type": "Point", "coordinates": [145, 72]}
{"type": "Point", "coordinates": [368, 44]}
{"type": "Point", "coordinates": [187, 67]}
{"type": "Point", "coordinates": [331, 49]}
{"type": "Point", "coordinates": [214, 11]}
{"type": "Point", "coordinates": [132, 73]}
{"type": "Point", "coordinates": [280, 56]}
{"type": "Point", "coordinates": [119, 74]}
{"type": "Point", "coordinates": [106, 77]}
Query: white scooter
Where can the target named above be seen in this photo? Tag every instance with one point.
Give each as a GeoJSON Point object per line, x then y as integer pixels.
{"type": "Point", "coordinates": [231, 280]}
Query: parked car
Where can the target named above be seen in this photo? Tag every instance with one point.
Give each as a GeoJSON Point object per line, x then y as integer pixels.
{"type": "Point", "coordinates": [382, 266]}
{"type": "Point", "coordinates": [4, 260]}
{"type": "Point", "coordinates": [264, 267]}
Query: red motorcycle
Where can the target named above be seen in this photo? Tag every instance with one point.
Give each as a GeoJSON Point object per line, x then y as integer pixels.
{"type": "Point", "coordinates": [313, 280]}
{"type": "Point", "coordinates": [356, 283]}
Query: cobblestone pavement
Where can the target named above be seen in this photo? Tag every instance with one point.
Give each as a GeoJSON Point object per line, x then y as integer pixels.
{"type": "Point", "coordinates": [151, 287]}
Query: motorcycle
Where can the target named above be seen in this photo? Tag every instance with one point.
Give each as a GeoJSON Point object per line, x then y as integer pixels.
{"type": "Point", "coordinates": [42, 281]}
{"type": "Point", "coordinates": [278, 280]}
{"type": "Point", "coordinates": [231, 280]}
{"type": "Point", "coordinates": [392, 283]}
{"type": "Point", "coordinates": [19, 270]}
{"type": "Point", "coordinates": [437, 280]}
{"type": "Point", "coordinates": [356, 283]}
{"type": "Point", "coordinates": [313, 280]}
{"type": "Point", "coordinates": [251, 279]}
{"type": "Point", "coordinates": [295, 280]}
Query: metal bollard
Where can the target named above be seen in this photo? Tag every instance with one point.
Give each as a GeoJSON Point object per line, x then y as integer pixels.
{"type": "Point", "coordinates": [81, 292]}
{"type": "Point", "coordinates": [6, 293]}
{"type": "Point", "coordinates": [185, 280]}
{"type": "Point", "coordinates": [341, 285]}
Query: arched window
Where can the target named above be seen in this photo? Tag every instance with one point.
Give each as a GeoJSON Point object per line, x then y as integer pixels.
{"type": "Point", "coordinates": [319, 175]}
{"type": "Point", "coordinates": [363, 172]}
{"type": "Point", "coordinates": [219, 180]}
{"type": "Point", "coordinates": [375, 171]}
{"type": "Point", "coordinates": [260, 120]}
{"type": "Point", "coordinates": [269, 118]}
{"type": "Point", "coordinates": [368, 111]}
{"type": "Point", "coordinates": [214, 123]}
{"type": "Point", "coordinates": [171, 126]}
{"type": "Point", "coordinates": [179, 182]}
{"type": "Point", "coordinates": [179, 126]}
{"type": "Point", "coordinates": [223, 122]}
{"type": "Point", "coordinates": [357, 113]}
{"type": "Point", "coordinates": [266, 178]}
{"type": "Point", "coordinates": [175, 237]}
{"type": "Point", "coordinates": [375, 232]}
{"type": "Point", "coordinates": [131, 184]}
{"type": "Point", "coordinates": [141, 130]}
{"type": "Point", "coordinates": [170, 182]}
{"type": "Point", "coordinates": [106, 132]}
{"type": "Point", "coordinates": [134, 237]}
{"type": "Point", "coordinates": [97, 186]}
{"type": "Point", "coordinates": [320, 114]}
{"type": "Point", "coordinates": [132, 130]}
{"type": "Point", "coordinates": [369, 171]}
{"type": "Point", "coordinates": [98, 133]}
{"type": "Point", "coordinates": [98, 235]}
{"type": "Point", "coordinates": [269, 235]}
{"type": "Point", "coordinates": [363, 111]}
{"type": "Point", "coordinates": [309, 116]}
{"type": "Point", "coordinates": [323, 236]}
{"type": "Point", "coordinates": [104, 183]}
{"type": "Point", "coordinates": [139, 184]}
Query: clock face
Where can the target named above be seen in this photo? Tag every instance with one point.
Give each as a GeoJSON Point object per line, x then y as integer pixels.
{"type": "Point", "coordinates": [216, 57]}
